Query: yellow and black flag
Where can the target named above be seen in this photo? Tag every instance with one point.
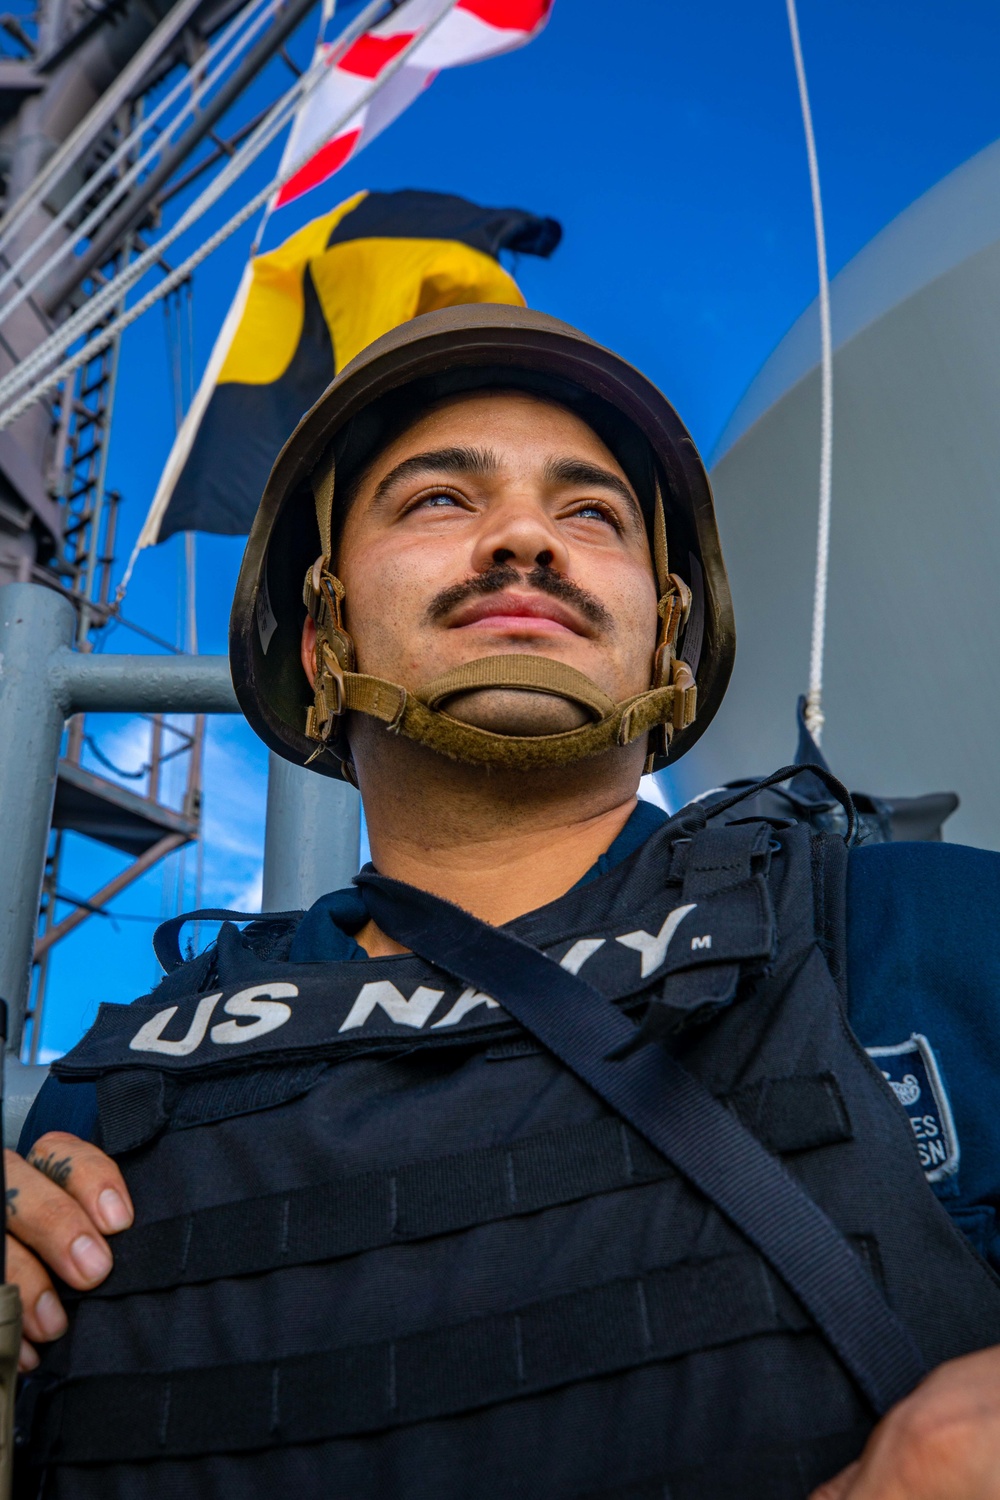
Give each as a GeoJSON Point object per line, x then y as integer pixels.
{"type": "Point", "coordinates": [302, 312]}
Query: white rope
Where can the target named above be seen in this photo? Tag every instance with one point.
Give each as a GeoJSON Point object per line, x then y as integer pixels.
{"type": "Point", "coordinates": [814, 698]}
{"type": "Point", "coordinates": [103, 112]}
{"type": "Point", "coordinates": [95, 307]}
{"type": "Point", "coordinates": [252, 25]}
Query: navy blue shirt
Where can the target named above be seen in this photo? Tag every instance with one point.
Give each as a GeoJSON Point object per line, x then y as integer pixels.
{"type": "Point", "coordinates": [924, 999]}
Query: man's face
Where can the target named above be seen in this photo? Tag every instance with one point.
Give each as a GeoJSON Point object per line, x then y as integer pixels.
{"type": "Point", "coordinates": [499, 523]}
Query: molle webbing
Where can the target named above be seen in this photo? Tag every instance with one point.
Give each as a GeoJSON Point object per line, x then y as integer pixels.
{"type": "Point", "coordinates": [784, 1471]}
{"type": "Point", "coordinates": [597, 1330]}
{"type": "Point", "coordinates": [590, 1367]}
{"type": "Point", "coordinates": [673, 1110]}
{"type": "Point", "coordinates": [444, 1196]}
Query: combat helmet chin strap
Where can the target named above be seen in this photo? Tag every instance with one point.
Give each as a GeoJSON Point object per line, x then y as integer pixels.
{"type": "Point", "coordinates": [668, 705]}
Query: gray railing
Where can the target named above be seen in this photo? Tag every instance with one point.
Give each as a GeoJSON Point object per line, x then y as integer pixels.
{"type": "Point", "coordinates": [311, 842]}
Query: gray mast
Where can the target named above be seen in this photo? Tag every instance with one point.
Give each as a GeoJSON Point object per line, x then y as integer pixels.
{"type": "Point", "coordinates": [73, 81]}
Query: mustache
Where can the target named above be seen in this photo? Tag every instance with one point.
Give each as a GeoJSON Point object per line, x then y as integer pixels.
{"type": "Point", "coordinates": [503, 576]}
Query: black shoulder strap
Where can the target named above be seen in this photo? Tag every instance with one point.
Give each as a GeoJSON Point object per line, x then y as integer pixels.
{"type": "Point", "coordinates": [676, 1114]}
{"type": "Point", "coordinates": [166, 938]}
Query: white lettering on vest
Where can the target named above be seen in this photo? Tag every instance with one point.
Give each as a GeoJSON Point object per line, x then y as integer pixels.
{"type": "Point", "coordinates": [467, 1000]}
{"type": "Point", "coordinates": [911, 1070]}
{"type": "Point", "coordinates": [702, 942]}
{"type": "Point", "coordinates": [264, 1004]}
{"type": "Point", "coordinates": [654, 949]}
{"type": "Point", "coordinates": [149, 1038]}
{"type": "Point", "coordinates": [581, 950]}
{"type": "Point", "coordinates": [413, 1012]}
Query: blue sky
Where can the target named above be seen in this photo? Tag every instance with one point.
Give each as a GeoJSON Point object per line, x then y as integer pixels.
{"type": "Point", "coordinates": [666, 137]}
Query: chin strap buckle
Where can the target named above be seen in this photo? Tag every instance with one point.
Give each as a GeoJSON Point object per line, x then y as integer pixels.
{"type": "Point", "coordinates": [323, 596]}
{"type": "Point", "coordinates": [668, 669]}
{"type": "Point", "coordinates": [685, 694]}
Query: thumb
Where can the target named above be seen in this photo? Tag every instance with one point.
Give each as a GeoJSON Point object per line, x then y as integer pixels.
{"type": "Point", "coordinates": [840, 1486]}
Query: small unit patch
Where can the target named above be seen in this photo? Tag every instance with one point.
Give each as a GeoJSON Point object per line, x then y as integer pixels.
{"type": "Point", "coordinates": [911, 1071]}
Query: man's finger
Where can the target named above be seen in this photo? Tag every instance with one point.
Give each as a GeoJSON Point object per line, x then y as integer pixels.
{"type": "Point", "coordinates": [838, 1488]}
{"type": "Point", "coordinates": [88, 1175]}
{"type": "Point", "coordinates": [43, 1314]}
{"type": "Point", "coordinates": [52, 1223]}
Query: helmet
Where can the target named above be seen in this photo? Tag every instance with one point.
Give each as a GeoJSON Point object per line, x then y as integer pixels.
{"type": "Point", "coordinates": [460, 348]}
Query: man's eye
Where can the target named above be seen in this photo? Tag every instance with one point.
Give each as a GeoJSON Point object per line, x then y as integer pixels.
{"type": "Point", "coordinates": [437, 498]}
{"type": "Point", "coordinates": [597, 513]}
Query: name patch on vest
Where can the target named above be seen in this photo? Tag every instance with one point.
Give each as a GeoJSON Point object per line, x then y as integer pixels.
{"type": "Point", "coordinates": [911, 1071]}
{"type": "Point", "coordinates": [337, 1009]}
{"type": "Point", "coordinates": [309, 1011]}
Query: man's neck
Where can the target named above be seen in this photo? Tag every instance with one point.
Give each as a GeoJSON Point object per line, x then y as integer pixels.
{"type": "Point", "coordinates": [498, 845]}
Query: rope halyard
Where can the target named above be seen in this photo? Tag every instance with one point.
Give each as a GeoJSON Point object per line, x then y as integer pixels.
{"type": "Point", "coordinates": [97, 305]}
{"type": "Point", "coordinates": [814, 698]}
{"type": "Point", "coordinates": [216, 61]}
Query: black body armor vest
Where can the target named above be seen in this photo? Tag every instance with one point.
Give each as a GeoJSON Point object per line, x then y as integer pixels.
{"type": "Point", "coordinates": [387, 1247]}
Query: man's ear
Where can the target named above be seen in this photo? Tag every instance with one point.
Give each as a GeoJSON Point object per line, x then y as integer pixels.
{"type": "Point", "coordinates": [309, 649]}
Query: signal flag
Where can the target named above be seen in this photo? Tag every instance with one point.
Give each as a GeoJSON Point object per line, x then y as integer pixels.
{"type": "Point", "coordinates": [302, 312]}
{"type": "Point", "coordinates": [471, 31]}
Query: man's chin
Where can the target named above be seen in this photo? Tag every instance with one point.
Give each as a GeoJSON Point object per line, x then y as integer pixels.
{"type": "Point", "coordinates": [516, 711]}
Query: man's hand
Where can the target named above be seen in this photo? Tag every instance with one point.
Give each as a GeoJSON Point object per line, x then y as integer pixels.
{"type": "Point", "coordinates": [941, 1443]}
{"type": "Point", "coordinates": [61, 1202]}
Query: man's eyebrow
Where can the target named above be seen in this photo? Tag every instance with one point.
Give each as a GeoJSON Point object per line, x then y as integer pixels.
{"type": "Point", "coordinates": [479, 462]}
{"type": "Point", "coordinates": [579, 471]}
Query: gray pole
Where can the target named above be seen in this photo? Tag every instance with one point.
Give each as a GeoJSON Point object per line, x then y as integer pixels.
{"type": "Point", "coordinates": [35, 622]}
{"type": "Point", "coordinates": [41, 683]}
{"type": "Point", "coordinates": [85, 683]}
{"type": "Point", "coordinates": [312, 836]}
{"type": "Point", "coordinates": [313, 824]}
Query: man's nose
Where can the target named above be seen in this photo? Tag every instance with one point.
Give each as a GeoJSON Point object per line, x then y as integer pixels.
{"type": "Point", "coordinates": [522, 534]}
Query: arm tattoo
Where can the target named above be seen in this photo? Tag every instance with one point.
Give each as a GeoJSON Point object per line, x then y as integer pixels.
{"type": "Point", "coordinates": [11, 1205]}
{"type": "Point", "coordinates": [57, 1170]}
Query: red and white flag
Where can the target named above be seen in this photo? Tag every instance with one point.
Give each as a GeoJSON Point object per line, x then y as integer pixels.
{"type": "Point", "coordinates": [471, 31]}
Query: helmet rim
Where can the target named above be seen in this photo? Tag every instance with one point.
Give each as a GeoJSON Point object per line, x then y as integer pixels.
{"type": "Point", "coordinates": [273, 694]}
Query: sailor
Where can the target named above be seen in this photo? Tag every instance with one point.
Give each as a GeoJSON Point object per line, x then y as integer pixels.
{"type": "Point", "coordinates": [575, 1150]}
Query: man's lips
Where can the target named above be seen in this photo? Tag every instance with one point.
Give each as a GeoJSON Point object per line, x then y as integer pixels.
{"type": "Point", "coordinates": [512, 611]}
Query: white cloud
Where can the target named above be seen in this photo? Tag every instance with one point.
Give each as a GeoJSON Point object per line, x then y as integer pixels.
{"type": "Point", "coordinates": [652, 789]}
{"type": "Point", "coordinates": [125, 743]}
{"type": "Point", "coordinates": [250, 897]}
{"type": "Point", "coordinates": [235, 799]}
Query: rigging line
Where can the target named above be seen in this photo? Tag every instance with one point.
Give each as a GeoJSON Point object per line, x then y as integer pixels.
{"type": "Point", "coordinates": [101, 340]}
{"type": "Point", "coordinates": [40, 186]}
{"type": "Point", "coordinates": [102, 911]}
{"type": "Point", "coordinates": [114, 618]}
{"type": "Point", "coordinates": [95, 306]}
{"type": "Point", "coordinates": [194, 799]}
{"type": "Point", "coordinates": [190, 383]}
{"type": "Point", "coordinates": [171, 326]}
{"type": "Point", "coordinates": [199, 82]}
{"type": "Point", "coordinates": [109, 764]}
{"type": "Point", "coordinates": [121, 184]}
{"type": "Point", "coordinates": [191, 580]}
{"type": "Point", "coordinates": [814, 698]}
{"type": "Point", "coordinates": [91, 311]}
{"type": "Point", "coordinates": [325, 16]}
{"type": "Point", "coordinates": [100, 116]}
